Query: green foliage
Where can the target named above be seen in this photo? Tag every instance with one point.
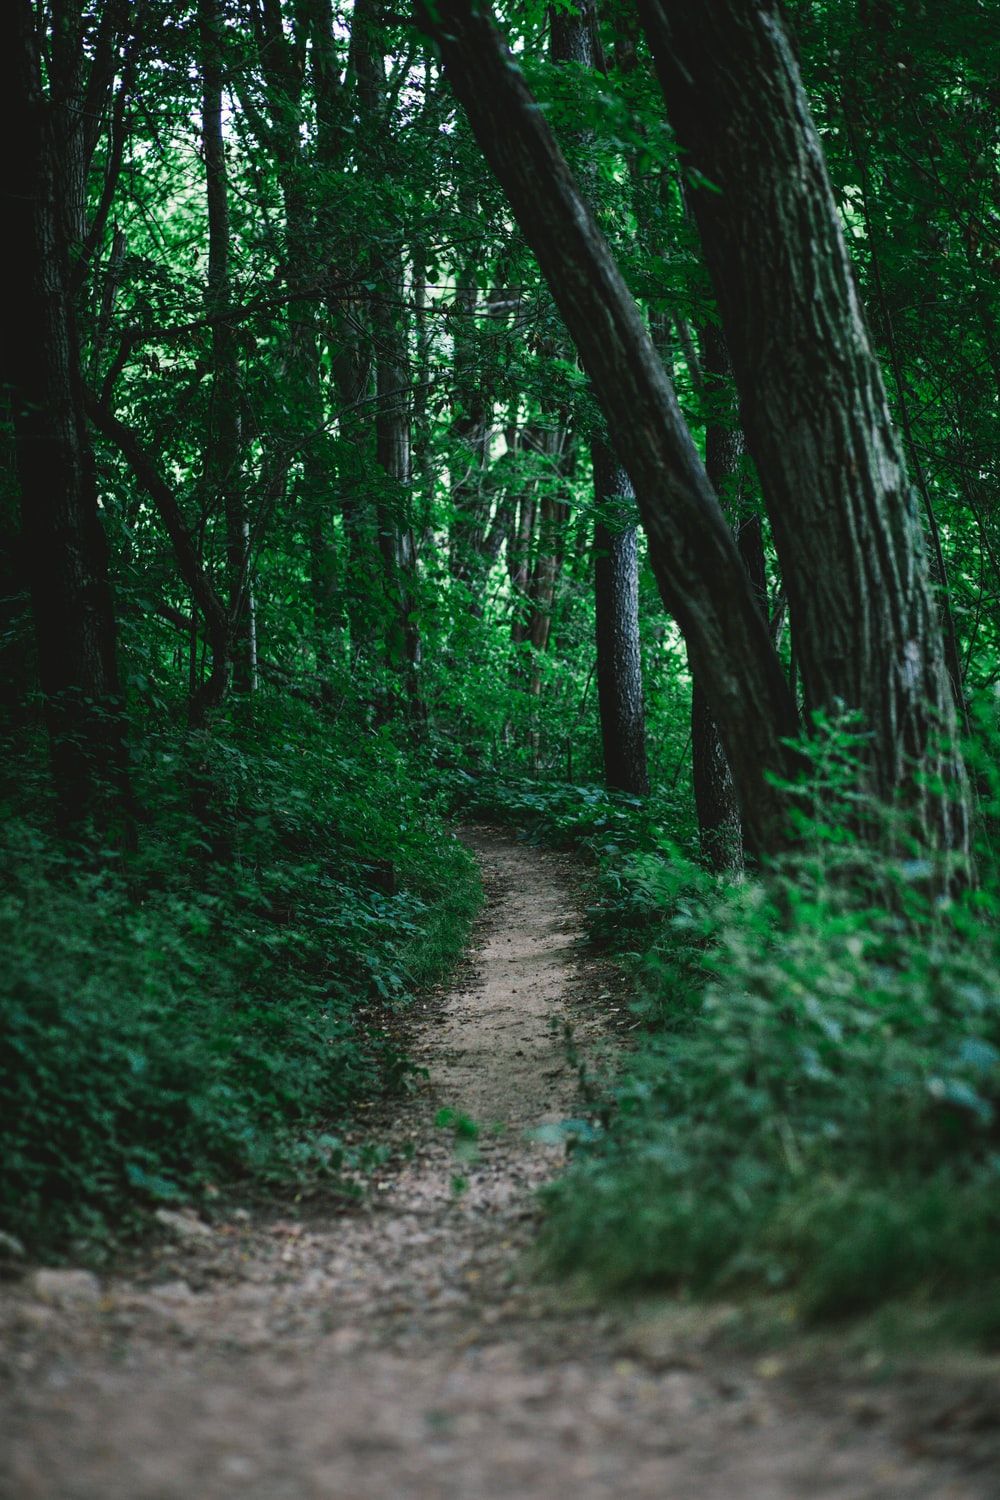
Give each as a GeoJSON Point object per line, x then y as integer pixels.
{"type": "Point", "coordinates": [813, 1104]}
{"type": "Point", "coordinates": [203, 1018]}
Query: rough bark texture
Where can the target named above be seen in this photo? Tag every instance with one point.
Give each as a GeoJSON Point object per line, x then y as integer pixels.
{"type": "Point", "coordinates": [64, 548]}
{"type": "Point", "coordinates": [813, 402]}
{"type": "Point", "coordinates": [698, 569]}
{"type": "Point", "coordinates": [574, 35]}
{"type": "Point", "coordinates": [616, 596]}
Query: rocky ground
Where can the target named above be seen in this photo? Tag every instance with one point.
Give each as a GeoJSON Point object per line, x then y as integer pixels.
{"type": "Point", "coordinates": [400, 1349]}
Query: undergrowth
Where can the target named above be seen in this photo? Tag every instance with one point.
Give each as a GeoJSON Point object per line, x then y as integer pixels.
{"type": "Point", "coordinates": [214, 1010]}
{"type": "Point", "coordinates": [812, 1106]}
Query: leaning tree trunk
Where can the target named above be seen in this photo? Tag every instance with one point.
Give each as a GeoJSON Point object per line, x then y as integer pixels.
{"type": "Point", "coordinates": [616, 598]}
{"type": "Point", "coordinates": [693, 554]}
{"type": "Point", "coordinates": [814, 407]}
{"type": "Point", "coordinates": [64, 550]}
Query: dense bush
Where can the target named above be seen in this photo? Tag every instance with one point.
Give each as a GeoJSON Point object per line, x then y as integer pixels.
{"type": "Point", "coordinates": [812, 1103]}
{"type": "Point", "coordinates": [215, 1008]}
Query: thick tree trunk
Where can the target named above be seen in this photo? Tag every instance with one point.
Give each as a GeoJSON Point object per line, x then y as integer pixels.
{"type": "Point", "coordinates": [64, 548]}
{"type": "Point", "coordinates": [814, 407]}
{"type": "Point", "coordinates": [698, 569]}
{"type": "Point", "coordinates": [616, 597]}
{"type": "Point", "coordinates": [938, 567]}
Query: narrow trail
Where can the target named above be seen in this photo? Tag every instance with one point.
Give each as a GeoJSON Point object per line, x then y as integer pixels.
{"type": "Point", "coordinates": [399, 1351]}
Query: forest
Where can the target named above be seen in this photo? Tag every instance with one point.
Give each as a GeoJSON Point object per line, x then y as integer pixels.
{"type": "Point", "coordinates": [578, 420]}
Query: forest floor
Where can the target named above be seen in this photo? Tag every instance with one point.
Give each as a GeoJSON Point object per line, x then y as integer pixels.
{"type": "Point", "coordinates": [400, 1348]}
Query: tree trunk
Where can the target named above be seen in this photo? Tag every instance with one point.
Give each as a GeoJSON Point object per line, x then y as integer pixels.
{"type": "Point", "coordinates": [575, 38]}
{"type": "Point", "coordinates": [64, 551]}
{"type": "Point", "coordinates": [698, 569]}
{"type": "Point", "coordinates": [519, 561]}
{"type": "Point", "coordinates": [223, 479]}
{"type": "Point", "coordinates": [814, 408]}
{"type": "Point", "coordinates": [616, 597]}
{"type": "Point", "coordinates": [280, 51]}
{"type": "Point", "coordinates": [393, 451]}
{"type": "Point", "coordinates": [554, 444]}
{"type": "Point", "coordinates": [469, 432]}
{"type": "Point", "coordinates": [720, 828]}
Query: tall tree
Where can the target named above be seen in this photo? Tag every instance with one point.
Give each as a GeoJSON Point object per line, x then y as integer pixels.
{"type": "Point", "coordinates": [698, 568]}
{"type": "Point", "coordinates": [576, 40]}
{"type": "Point", "coordinates": [814, 408]}
{"type": "Point", "coordinates": [64, 545]}
{"type": "Point", "coordinates": [223, 477]}
{"type": "Point", "coordinates": [720, 829]}
{"type": "Point", "coordinates": [616, 615]}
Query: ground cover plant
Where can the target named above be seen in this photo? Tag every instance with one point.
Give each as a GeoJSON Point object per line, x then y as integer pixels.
{"type": "Point", "coordinates": [187, 1021]}
{"type": "Point", "coordinates": [577, 416]}
{"type": "Point", "coordinates": [808, 1106]}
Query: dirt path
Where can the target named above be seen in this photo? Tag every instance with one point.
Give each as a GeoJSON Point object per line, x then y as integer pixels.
{"type": "Point", "coordinates": [396, 1353]}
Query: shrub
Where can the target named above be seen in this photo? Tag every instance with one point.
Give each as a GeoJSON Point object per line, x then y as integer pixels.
{"type": "Point", "coordinates": [813, 1104]}
{"type": "Point", "coordinates": [202, 1016]}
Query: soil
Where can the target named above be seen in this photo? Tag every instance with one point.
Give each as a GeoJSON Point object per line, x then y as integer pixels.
{"type": "Point", "coordinates": [402, 1349]}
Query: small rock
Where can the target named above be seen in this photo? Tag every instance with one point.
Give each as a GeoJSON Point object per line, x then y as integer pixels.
{"type": "Point", "coordinates": [11, 1247]}
{"type": "Point", "coordinates": [173, 1291]}
{"type": "Point", "coordinates": [182, 1226]}
{"type": "Point", "coordinates": [66, 1288]}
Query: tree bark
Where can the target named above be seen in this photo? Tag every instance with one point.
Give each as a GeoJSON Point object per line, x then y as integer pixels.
{"type": "Point", "coordinates": [616, 597]}
{"type": "Point", "coordinates": [814, 407]}
{"type": "Point", "coordinates": [694, 557]}
{"type": "Point", "coordinates": [64, 549]}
